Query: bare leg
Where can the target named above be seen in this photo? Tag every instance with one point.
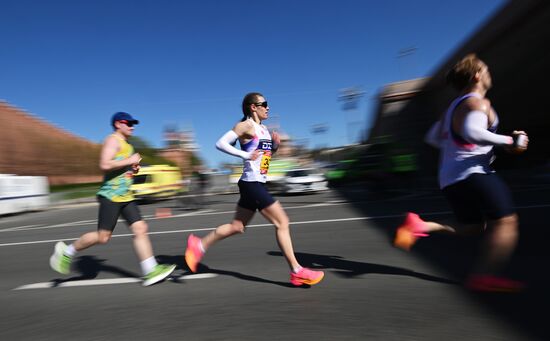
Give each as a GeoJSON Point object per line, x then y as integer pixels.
{"type": "Point", "coordinates": [241, 219]}
{"type": "Point", "coordinates": [276, 215]}
{"type": "Point", "coordinates": [499, 244]}
{"type": "Point", "coordinates": [142, 244]}
{"type": "Point", "coordinates": [141, 241]}
{"type": "Point", "coordinates": [414, 227]}
{"type": "Point", "coordinates": [92, 238]}
{"type": "Point", "coordinates": [454, 228]}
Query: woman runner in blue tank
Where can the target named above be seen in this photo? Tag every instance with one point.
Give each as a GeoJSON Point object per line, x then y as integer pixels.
{"type": "Point", "coordinates": [257, 146]}
{"type": "Point", "coordinates": [466, 136]}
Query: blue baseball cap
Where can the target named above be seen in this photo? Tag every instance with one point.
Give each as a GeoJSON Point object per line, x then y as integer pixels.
{"type": "Point", "coordinates": [123, 116]}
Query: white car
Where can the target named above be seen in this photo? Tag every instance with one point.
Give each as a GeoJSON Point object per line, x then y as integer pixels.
{"type": "Point", "coordinates": [301, 181]}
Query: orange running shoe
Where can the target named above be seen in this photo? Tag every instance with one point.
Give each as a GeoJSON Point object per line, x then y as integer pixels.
{"type": "Point", "coordinates": [408, 233]}
{"type": "Point", "coordinates": [306, 276]}
{"type": "Point", "coordinates": [193, 253]}
{"type": "Point", "coordinates": [490, 283]}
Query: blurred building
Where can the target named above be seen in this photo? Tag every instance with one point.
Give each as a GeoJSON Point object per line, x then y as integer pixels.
{"type": "Point", "coordinates": [32, 146]}
{"type": "Point", "coordinates": [512, 44]}
{"type": "Point", "coordinates": [179, 148]}
{"type": "Point", "coordinates": [286, 149]}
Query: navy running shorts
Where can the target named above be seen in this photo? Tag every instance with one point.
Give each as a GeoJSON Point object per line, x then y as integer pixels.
{"type": "Point", "coordinates": [254, 195]}
{"type": "Point", "coordinates": [109, 212]}
{"type": "Point", "coordinates": [480, 197]}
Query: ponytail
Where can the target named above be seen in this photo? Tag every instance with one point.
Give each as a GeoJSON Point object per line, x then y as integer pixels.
{"type": "Point", "coordinates": [249, 99]}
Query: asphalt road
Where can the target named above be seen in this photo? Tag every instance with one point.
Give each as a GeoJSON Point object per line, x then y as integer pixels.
{"type": "Point", "coordinates": [371, 290]}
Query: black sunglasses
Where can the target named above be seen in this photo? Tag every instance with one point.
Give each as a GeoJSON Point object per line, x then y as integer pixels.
{"type": "Point", "coordinates": [261, 104]}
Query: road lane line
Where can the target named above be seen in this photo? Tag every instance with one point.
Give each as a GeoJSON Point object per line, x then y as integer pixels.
{"type": "Point", "coordinates": [262, 225]}
{"type": "Point", "coordinates": [19, 228]}
{"type": "Point", "coordinates": [210, 228]}
{"type": "Point", "coordinates": [151, 217]}
{"type": "Point", "coordinates": [186, 230]}
{"type": "Point", "coordinates": [213, 212]}
{"type": "Point", "coordinates": [42, 227]}
{"type": "Point", "coordinates": [107, 281]}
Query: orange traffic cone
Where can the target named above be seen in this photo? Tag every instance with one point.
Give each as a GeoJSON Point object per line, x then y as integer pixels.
{"type": "Point", "coordinates": [163, 212]}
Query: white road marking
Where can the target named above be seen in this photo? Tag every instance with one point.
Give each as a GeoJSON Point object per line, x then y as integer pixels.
{"type": "Point", "coordinates": [108, 281]}
{"type": "Point", "coordinates": [152, 217]}
{"type": "Point", "coordinates": [260, 225]}
{"type": "Point", "coordinates": [76, 223]}
{"type": "Point", "coordinates": [189, 230]}
{"type": "Point", "coordinates": [189, 214]}
{"type": "Point", "coordinates": [287, 208]}
{"type": "Point", "coordinates": [41, 227]}
{"type": "Point", "coordinates": [19, 228]}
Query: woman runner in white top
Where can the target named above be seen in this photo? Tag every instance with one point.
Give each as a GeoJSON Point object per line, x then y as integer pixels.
{"type": "Point", "coordinates": [257, 146]}
{"type": "Point", "coordinates": [466, 136]}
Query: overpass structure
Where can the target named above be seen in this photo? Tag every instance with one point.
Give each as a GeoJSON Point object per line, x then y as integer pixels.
{"type": "Point", "coordinates": [514, 45]}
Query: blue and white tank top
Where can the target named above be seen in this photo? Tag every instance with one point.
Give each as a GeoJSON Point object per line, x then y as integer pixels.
{"type": "Point", "coordinates": [459, 158]}
{"type": "Point", "coordinates": [256, 170]}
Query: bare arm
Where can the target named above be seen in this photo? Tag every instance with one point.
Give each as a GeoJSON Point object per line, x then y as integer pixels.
{"type": "Point", "coordinates": [245, 130]}
{"type": "Point", "coordinates": [241, 131]}
{"type": "Point", "coordinates": [276, 141]}
{"type": "Point", "coordinates": [433, 137]}
{"type": "Point", "coordinates": [108, 152]}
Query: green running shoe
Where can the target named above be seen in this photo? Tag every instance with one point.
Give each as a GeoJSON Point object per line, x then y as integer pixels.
{"type": "Point", "coordinates": [59, 261]}
{"type": "Point", "coordinates": [159, 272]}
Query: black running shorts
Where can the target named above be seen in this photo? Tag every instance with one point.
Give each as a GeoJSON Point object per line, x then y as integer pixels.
{"type": "Point", "coordinates": [109, 212]}
{"type": "Point", "coordinates": [480, 197]}
{"type": "Point", "coordinates": [254, 195]}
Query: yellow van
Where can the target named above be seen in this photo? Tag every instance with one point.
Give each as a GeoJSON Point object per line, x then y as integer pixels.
{"type": "Point", "coordinates": [157, 182]}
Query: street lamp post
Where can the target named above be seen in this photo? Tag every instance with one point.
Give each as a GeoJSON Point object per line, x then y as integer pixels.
{"type": "Point", "coordinates": [350, 97]}
{"type": "Point", "coordinates": [404, 53]}
{"type": "Point", "coordinates": [319, 129]}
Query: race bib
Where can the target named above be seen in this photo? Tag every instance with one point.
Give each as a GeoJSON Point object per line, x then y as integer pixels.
{"type": "Point", "coordinates": [264, 163]}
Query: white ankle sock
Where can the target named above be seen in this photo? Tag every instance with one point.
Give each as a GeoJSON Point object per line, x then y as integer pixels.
{"type": "Point", "coordinates": [148, 265]}
{"type": "Point", "coordinates": [70, 251]}
{"type": "Point", "coordinates": [297, 269]}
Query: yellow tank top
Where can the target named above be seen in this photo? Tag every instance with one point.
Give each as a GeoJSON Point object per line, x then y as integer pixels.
{"type": "Point", "coordinates": [116, 183]}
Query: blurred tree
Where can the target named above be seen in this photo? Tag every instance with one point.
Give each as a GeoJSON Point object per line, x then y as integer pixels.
{"type": "Point", "coordinates": [195, 160]}
{"type": "Point", "coordinates": [148, 153]}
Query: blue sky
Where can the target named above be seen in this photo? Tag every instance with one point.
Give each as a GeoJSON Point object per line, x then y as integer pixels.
{"type": "Point", "coordinates": [189, 63]}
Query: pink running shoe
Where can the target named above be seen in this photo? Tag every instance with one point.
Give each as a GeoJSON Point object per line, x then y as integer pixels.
{"type": "Point", "coordinates": [416, 225]}
{"type": "Point", "coordinates": [193, 253]}
{"type": "Point", "coordinates": [408, 233]}
{"type": "Point", "coordinates": [306, 276]}
{"type": "Point", "coordinates": [490, 283]}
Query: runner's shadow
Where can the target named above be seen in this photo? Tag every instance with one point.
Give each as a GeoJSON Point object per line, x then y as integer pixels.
{"type": "Point", "coordinates": [179, 261]}
{"type": "Point", "coordinates": [245, 277]}
{"type": "Point", "coordinates": [349, 269]}
{"type": "Point", "coordinates": [89, 267]}
{"type": "Point", "coordinates": [181, 265]}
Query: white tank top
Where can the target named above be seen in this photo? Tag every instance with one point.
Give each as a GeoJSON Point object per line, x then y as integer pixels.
{"type": "Point", "coordinates": [459, 158]}
{"type": "Point", "coordinates": [256, 170]}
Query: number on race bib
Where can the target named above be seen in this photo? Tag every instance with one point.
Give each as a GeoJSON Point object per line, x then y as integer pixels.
{"type": "Point", "coordinates": [264, 164]}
